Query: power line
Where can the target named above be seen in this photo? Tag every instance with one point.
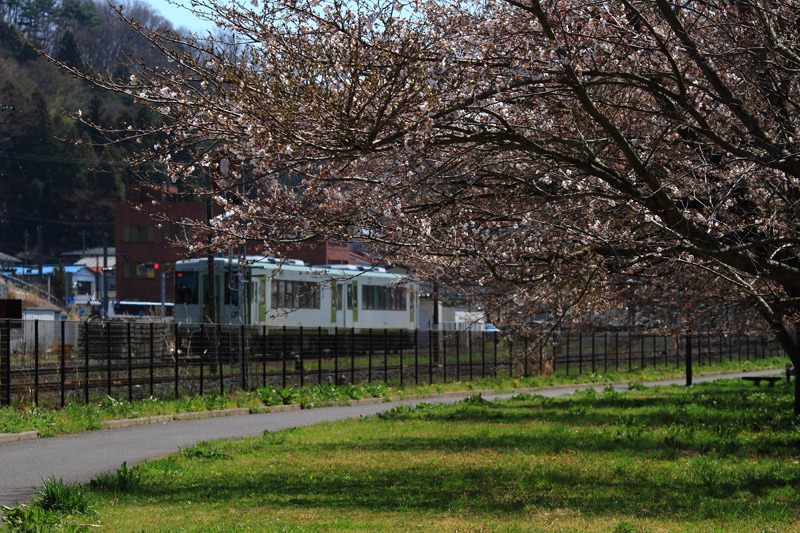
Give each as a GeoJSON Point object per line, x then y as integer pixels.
{"type": "Point", "coordinates": [71, 160]}
{"type": "Point", "coordinates": [73, 223]}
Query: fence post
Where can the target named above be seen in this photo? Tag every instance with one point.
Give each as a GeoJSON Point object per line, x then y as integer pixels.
{"type": "Point", "coordinates": [36, 362]}
{"type": "Point", "coordinates": [494, 361]}
{"type": "Point", "coordinates": [443, 355]}
{"type": "Point", "coordinates": [401, 334]}
{"type": "Point", "coordinates": [177, 343]}
{"type": "Point", "coordinates": [352, 355]}
{"type": "Point", "coordinates": [218, 360]}
{"type": "Point", "coordinates": [264, 355]}
{"type": "Point", "coordinates": [202, 353]}
{"type": "Point", "coordinates": [655, 351]}
{"type": "Point", "coordinates": [300, 361]}
{"type": "Point", "coordinates": [336, 355]}
{"type": "Point", "coordinates": [430, 357]}
{"type": "Point", "coordinates": [641, 356]}
{"type": "Point", "coordinates": [386, 356]}
{"type": "Point", "coordinates": [483, 354]}
{"type": "Point", "coordinates": [243, 363]}
{"type": "Point", "coordinates": [458, 355]}
{"type": "Point", "coordinates": [319, 354]}
{"type": "Point", "coordinates": [510, 358]}
{"type": "Point", "coordinates": [469, 340]}
{"type": "Point", "coordinates": [369, 356]}
{"type": "Point", "coordinates": [416, 356]}
{"type": "Point", "coordinates": [689, 359]}
{"type": "Point", "coordinates": [86, 354]}
{"type": "Point", "coordinates": [630, 351]}
{"type": "Point", "coordinates": [730, 348]}
{"type": "Point", "coordinates": [580, 353]}
{"type": "Point", "coordinates": [152, 359]}
{"type": "Point", "coordinates": [525, 356]}
{"type": "Point", "coordinates": [566, 350]}
{"type": "Point", "coordinates": [108, 355]}
{"type": "Point", "coordinates": [7, 362]}
{"type": "Point", "coordinates": [747, 347]}
{"type": "Point", "coordinates": [283, 358]}
{"type": "Point", "coordinates": [130, 365]}
{"type": "Point", "coordinates": [63, 362]}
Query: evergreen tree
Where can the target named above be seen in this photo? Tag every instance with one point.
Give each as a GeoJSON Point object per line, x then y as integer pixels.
{"type": "Point", "coordinates": [69, 53]}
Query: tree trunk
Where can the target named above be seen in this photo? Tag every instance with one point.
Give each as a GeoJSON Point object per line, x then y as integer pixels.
{"type": "Point", "coordinates": [791, 346]}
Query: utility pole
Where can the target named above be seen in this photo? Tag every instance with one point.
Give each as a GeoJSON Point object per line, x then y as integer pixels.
{"type": "Point", "coordinates": [103, 275]}
{"type": "Point", "coordinates": [40, 251]}
{"type": "Point", "coordinates": [435, 325]}
{"type": "Point", "coordinates": [211, 274]}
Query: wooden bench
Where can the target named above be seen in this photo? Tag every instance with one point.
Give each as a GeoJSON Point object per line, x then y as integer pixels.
{"type": "Point", "coordinates": [790, 371]}
{"type": "Point", "coordinates": [758, 379]}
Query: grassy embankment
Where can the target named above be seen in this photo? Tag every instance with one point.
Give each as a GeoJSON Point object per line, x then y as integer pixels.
{"type": "Point", "coordinates": [721, 457]}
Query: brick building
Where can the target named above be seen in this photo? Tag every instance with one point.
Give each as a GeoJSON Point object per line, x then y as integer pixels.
{"type": "Point", "coordinates": [321, 253]}
{"type": "Point", "coordinates": [145, 237]}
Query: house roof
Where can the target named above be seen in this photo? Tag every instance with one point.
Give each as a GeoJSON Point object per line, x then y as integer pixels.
{"type": "Point", "coordinates": [97, 261]}
{"type": "Point", "coordinates": [5, 259]}
{"type": "Point", "coordinates": [47, 270]}
{"type": "Point", "coordinates": [89, 253]}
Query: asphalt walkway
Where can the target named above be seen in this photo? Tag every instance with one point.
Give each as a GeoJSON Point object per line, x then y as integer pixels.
{"type": "Point", "coordinates": [81, 457]}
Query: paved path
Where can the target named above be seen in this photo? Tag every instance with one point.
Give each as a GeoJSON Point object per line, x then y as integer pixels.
{"type": "Point", "coordinates": [82, 457]}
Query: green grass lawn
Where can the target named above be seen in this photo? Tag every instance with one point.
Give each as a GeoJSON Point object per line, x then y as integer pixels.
{"type": "Point", "coordinates": [719, 457]}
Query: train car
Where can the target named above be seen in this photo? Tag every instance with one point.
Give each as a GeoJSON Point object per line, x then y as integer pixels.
{"type": "Point", "coordinates": [134, 309]}
{"type": "Point", "coordinates": [291, 294]}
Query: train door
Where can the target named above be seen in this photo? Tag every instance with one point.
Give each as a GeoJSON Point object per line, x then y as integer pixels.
{"type": "Point", "coordinates": [336, 302]}
{"type": "Point", "coordinates": [352, 302]}
{"type": "Point", "coordinates": [204, 283]}
{"type": "Point", "coordinates": [231, 311]}
{"type": "Point", "coordinates": [259, 300]}
{"type": "Point", "coordinates": [344, 304]}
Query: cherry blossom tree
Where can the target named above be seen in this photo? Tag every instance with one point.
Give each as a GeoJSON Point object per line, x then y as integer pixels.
{"type": "Point", "coordinates": [549, 152]}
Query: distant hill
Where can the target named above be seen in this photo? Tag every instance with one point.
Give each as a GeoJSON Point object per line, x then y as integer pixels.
{"type": "Point", "coordinates": [56, 172]}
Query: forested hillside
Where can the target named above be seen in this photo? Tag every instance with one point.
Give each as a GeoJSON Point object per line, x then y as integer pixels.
{"type": "Point", "coordinates": [54, 171]}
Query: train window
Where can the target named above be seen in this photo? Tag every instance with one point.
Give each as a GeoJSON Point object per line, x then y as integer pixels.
{"type": "Point", "coordinates": [338, 290]}
{"type": "Point", "coordinates": [186, 288]}
{"type": "Point", "coordinates": [231, 289]}
{"type": "Point", "coordinates": [262, 293]}
{"type": "Point", "coordinates": [295, 294]}
{"type": "Point", "coordinates": [383, 298]}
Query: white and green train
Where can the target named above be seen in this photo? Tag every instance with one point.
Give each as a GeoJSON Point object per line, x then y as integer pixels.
{"type": "Point", "coordinates": [291, 294]}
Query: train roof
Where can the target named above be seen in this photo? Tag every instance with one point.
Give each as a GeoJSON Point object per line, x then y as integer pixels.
{"type": "Point", "coordinates": [290, 265]}
{"type": "Point", "coordinates": [250, 259]}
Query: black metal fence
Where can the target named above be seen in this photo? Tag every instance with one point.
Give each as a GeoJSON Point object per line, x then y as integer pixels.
{"type": "Point", "coordinates": [55, 362]}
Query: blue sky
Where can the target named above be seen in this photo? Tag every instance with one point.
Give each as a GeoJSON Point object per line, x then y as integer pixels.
{"type": "Point", "coordinates": [179, 17]}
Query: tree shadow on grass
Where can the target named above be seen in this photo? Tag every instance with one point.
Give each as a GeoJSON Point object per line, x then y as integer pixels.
{"type": "Point", "coordinates": [504, 458]}
{"type": "Point", "coordinates": [493, 489]}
